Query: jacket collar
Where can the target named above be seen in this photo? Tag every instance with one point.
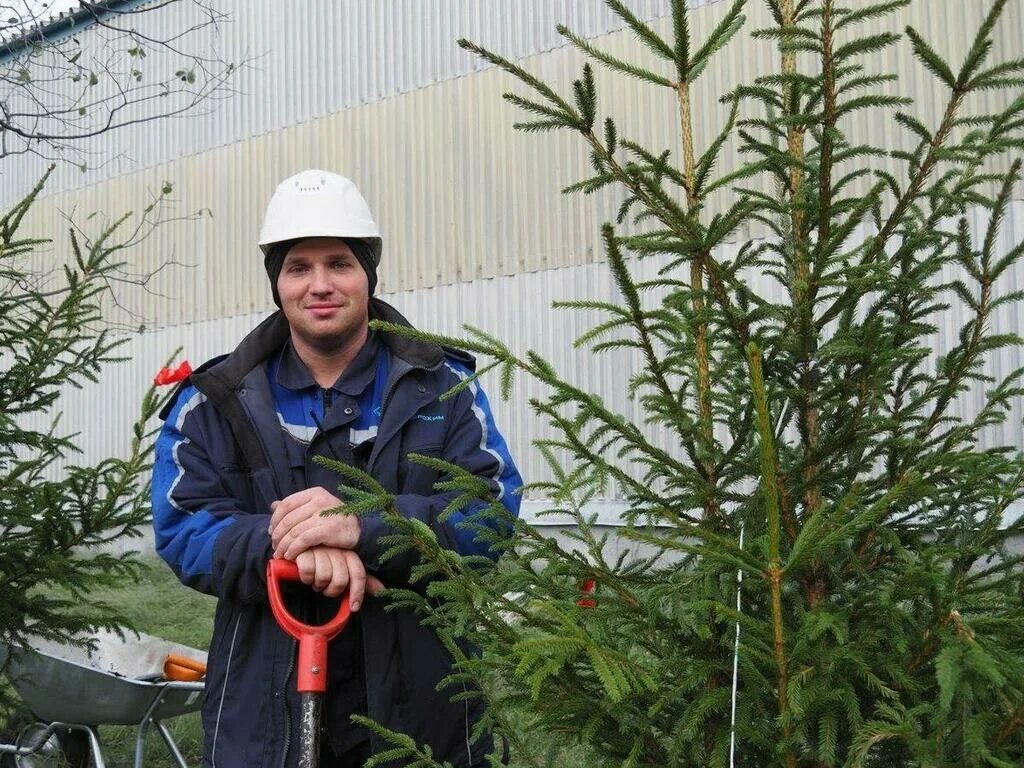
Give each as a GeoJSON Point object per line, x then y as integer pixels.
{"type": "Point", "coordinates": [291, 373]}
{"type": "Point", "coordinates": [419, 354]}
{"type": "Point", "coordinates": [267, 339]}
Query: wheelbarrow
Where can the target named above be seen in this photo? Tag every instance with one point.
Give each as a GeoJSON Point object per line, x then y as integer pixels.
{"type": "Point", "coordinates": [121, 681]}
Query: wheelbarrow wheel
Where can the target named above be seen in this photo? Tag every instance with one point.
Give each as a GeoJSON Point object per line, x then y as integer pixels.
{"type": "Point", "coordinates": [63, 748]}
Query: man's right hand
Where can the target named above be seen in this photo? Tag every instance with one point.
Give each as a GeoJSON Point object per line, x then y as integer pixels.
{"type": "Point", "coordinates": [330, 570]}
{"type": "Point", "coordinates": [298, 522]}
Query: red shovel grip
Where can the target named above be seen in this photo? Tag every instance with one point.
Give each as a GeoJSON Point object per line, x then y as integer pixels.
{"type": "Point", "coordinates": [312, 669]}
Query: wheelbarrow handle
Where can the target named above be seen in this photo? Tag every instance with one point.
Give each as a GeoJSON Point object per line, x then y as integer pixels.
{"type": "Point", "coordinates": [313, 639]}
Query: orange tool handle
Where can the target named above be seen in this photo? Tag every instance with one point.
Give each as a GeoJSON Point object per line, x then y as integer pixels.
{"type": "Point", "coordinates": [313, 639]}
{"type": "Point", "coordinates": [178, 667]}
{"type": "Point", "coordinates": [184, 661]}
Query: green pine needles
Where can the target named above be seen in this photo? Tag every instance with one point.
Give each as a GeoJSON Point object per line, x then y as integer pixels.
{"type": "Point", "coordinates": [815, 493]}
{"type": "Point", "coordinates": [58, 517]}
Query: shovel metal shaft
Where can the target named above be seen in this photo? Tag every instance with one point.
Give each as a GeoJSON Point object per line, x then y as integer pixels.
{"type": "Point", "coordinates": [309, 730]}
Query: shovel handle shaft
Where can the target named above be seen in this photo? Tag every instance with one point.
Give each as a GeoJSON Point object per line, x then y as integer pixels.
{"type": "Point", "coordinates": [309, 730]}
{"type": "Point", "coordinates": [313, 639]}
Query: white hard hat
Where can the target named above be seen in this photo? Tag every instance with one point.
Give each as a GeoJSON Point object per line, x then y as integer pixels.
{"type": "Point", "coordinates": [318, 204]}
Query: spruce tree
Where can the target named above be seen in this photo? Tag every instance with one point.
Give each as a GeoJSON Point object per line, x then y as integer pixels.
{"type": "Point", "coordinates": [58, 516]}
{"type": "Point", "coordinates": [830, 578]}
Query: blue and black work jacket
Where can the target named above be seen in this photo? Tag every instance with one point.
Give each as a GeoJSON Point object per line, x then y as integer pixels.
{"type": "Point", "coordinates": [225, 453]}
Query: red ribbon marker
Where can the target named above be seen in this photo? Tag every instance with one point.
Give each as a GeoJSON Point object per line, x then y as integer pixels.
{"type": "Point", "coordinates": [588, 587]}
{"type": "Point", "coordinates": [167, 376]}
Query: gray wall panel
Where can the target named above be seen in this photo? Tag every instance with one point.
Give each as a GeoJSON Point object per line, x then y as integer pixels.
{"type": "Point", "coordinates": [474, 229]}
{"type": "Point", "coordinates": [459, 194]}
{"type": "Point", "coordinates": [518, 310]}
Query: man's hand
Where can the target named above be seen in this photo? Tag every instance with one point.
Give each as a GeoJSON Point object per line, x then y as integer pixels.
{"type": "Point", "coordinates": [331, 570]}
{"type": "Point", "coordinates": [297, 524]}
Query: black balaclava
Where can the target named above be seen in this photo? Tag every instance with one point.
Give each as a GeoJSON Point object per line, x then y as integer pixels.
{"type": "Point", "coordinates": [275, 260]}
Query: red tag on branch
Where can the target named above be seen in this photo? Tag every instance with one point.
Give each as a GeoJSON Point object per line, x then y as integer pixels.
{"type": "Point", "coordinates": [172, 375]}
{"type": "Point", "coordinates": [587, 587]}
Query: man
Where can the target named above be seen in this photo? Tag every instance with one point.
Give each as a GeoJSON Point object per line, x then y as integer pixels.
{"type": "Point", "coordinates": [235, 483]}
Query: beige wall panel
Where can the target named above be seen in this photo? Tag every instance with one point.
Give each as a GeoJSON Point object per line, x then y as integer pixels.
{"type": "Point", "coordinates": [223, 256]}
{"type": "Point", "coordinates": [459, 195]}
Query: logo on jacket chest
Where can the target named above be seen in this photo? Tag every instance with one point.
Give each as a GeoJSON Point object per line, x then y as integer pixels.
{"type": "Point", "coordinates": [416, 417]}
{"type": "Point", "coordinates": [429, 417]}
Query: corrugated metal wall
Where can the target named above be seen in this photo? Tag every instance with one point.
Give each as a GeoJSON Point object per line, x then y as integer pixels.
{"type": "Point", "coordinates": [315, 57]}
{"type": "Point", "coordinates": [517, 309]}
{"type": "Point", "coordinates": [455, 189]}
{"type": "Point", "coordinates": [474, 228]}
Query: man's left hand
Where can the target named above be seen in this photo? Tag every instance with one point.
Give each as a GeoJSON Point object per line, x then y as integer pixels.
{"type": "Point", "coordinates": [298, 523]}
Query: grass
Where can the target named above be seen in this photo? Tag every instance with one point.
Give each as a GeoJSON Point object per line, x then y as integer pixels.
{"type": "Point", "coordinates": [159, 605]}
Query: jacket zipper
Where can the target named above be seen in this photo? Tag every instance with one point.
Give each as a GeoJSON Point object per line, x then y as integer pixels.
{"type": "Point", "coordinates": [284, 701]}
{"type": "Point", "coordinates": [291, 665]}
{"type": "Point", "coordinates": [384, 405]}
{"type": "Point", "coordinates": [223, 690]}
{"type": "Point", "coordinates": [387, 397]}
{"type": "Point", "coordinates": [327, 398]}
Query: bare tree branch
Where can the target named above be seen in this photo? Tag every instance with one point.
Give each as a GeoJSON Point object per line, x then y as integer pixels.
{"type": "Point", "coordinates": [60, 87]}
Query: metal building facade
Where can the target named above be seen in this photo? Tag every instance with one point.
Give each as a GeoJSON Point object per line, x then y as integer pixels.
{"type": "Point", "coordinates": [475, 230]}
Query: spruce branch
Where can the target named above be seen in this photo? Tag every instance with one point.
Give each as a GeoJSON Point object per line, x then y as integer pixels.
{"type": "Point", "coordinates": [828, 129]}
{"type": "Point", "coordinates": [612, 62]}
{"type": "Point", "coordinates": [636, 316]}
{"type": "Point", "coordinates": [774, 571]}
{"type": "Point", "coordinates": [861, 46]}
{"type": "Point", "coordinates": [903, 202]}
{"type": "Point", "coordinates": [869, 13]}
{"type": "Point", "coordinates": [981, 46]}
{"type": "Point", "coordinates": [518, 72]}
{"type": "Point", "coordinates": [731, 23]}
{"type": "Point", "coordinates": [961, 360]}
{"type": "Point", "coordinates": [681, 41]}
{"type": "Point", "coordinates": [706, 164]}
{"type": "Point", "coordinates": [403, 748]}
{"type": "Point", "coordinates": [643, 32]}
{"type": "Point", "coordinates": [678, 224]}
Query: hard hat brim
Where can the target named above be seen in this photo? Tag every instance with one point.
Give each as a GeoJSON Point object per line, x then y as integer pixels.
{"type": "Point", "coordinates": [374, 241]}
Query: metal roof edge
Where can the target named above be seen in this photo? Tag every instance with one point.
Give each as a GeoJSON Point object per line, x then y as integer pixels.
{"type": "Point", "coordinates": [64, 24]}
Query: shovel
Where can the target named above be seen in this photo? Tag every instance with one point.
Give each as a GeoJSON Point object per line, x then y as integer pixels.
{"type": "Point", "coordinates": [312, 667]}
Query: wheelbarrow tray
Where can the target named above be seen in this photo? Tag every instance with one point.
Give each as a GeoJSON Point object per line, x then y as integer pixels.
{"type": "Point", "coordinates": [115, 683]}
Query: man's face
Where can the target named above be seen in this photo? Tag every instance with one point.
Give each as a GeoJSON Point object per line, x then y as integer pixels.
{"type": "Point", "coordinates": [324, 293]}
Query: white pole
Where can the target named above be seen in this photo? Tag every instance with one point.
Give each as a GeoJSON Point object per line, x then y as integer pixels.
{"type": "Point", "coordinates": [736, 664]}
